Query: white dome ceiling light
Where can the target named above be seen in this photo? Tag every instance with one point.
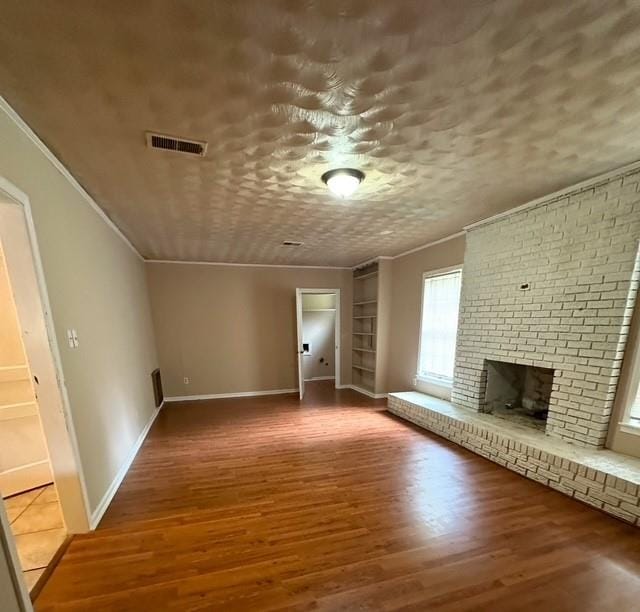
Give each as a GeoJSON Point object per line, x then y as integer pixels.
{"type": "Point", "coordinates": [343, 181]}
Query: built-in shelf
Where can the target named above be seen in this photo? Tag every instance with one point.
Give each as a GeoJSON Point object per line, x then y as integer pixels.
{"type": "Point", "coordinates": [359, 367]}
{"type": "Point", "coordinates": [365, 317]}
{"type": "Point", "coordinates": [319, 310]}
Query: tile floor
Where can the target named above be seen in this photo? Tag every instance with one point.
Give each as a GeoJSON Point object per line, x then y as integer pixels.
{"type": "Point", "coordinates": [36, 523]}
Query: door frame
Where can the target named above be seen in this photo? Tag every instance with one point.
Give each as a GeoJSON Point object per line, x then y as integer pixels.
{"type": "Point", "coordinates": [300, 291]}
{"type": "Point", "coordinates": [20, 601]}
{"type": "Point", "coordinates": [26, 275]}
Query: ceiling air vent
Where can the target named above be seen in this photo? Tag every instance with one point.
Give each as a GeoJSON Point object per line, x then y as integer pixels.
{"type": "Point", "coordinates": [292, 243]}
{"type": "Point", "coordinates": [177, 145]}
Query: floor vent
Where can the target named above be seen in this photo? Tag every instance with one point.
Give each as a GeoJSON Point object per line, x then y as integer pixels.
{"type": "Point", "coordinates": [177, 145]}
{"type": "Point", "coordinates": [157, 387]}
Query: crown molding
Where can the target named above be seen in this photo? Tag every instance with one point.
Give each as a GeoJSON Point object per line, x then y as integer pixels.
{"type": "Point", "coordinates": [241, 265]}
{"type": "Point", "coordinates": [60, 167]}
{"type": "Point", "coordinates": [589, 183]}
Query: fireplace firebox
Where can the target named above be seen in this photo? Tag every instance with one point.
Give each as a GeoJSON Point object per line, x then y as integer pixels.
{"type": "Point", "coordinates": [518, 393]}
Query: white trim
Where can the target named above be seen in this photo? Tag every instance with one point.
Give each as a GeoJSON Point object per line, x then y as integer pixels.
{"type": "Point", "coordinates": [429, 244]}
{"type": "Point", "coordinates": [565, 191]}
{"type": "Point", "coordinates": [242, 265]}
{"type": "Point", "coordinates": [367, 393]}
{"type": "Point", "coordinates": [337, 325]}
{"type": "Point", "coordinates": [441, 271]}
{"type": "Point", "coordinates": [22, 125]}
{"type": "Point", "coordinates": [24, 467]}
{"type": "Point", "coordinates": [102, 506]}
{"type": "Point", "coordinates": [629, 428]}
{"type": "Point", "coordinates": [9, 556]}
{"type": "Point", "coordinates": [22, 199]}
{"type": "Point", "coordinates": [210, 396]}
{"type": "Point", "coordinates": [319, 378]}
{"type": "Point", "coordinates": [370, 261]}
{"type": "Point", "coordinates": [440, 388]}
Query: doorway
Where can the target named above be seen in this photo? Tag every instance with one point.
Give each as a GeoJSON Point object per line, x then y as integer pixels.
{"type": "Point", "coordinates": [41, 486]}
{"type": "Point", "coordinates": [318, 335]}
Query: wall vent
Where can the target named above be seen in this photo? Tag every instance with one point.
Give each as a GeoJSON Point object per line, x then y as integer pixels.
{"type": "Point", "coordinates": [292, 243]}
{"type": "Point", "coordinates": [177, 145]}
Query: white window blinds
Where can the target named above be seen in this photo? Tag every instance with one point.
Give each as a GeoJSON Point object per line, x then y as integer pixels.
{"type": "Point", "coordinates": [440, 302]}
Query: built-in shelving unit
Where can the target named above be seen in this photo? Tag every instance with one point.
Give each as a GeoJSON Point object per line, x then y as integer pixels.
{"type": "Point", "coordinates": [372, 289]}
{"type": "Point", "coordinates": [365, 314]}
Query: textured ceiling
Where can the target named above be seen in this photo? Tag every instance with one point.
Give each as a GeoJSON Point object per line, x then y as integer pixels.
{"type": "Point", "coordinates": [454, 109]}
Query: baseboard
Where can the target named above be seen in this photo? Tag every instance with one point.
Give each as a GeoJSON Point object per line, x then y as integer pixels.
{"type": "Point", "coordinates": [101, 508]}
{"type": "Point", "coordinates": [25, 477]}
{"type": "Point", "coordinates": [187, 398]}
{"type": "Point", "coordinates": [368, 393]}
{"type": "Point", "coordinates": [319, 378]}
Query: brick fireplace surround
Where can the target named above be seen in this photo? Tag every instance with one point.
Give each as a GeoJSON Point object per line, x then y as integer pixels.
{"type": "Point", "coordinates": [550, 285]}
{"type": "Point", "coordinates": [577, 253]}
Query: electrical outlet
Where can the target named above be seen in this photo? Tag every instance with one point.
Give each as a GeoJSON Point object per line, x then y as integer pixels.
{"type": "Point", "coordinates": [186, 380]}
{"type": "Point", "coordinates": [72, 338]}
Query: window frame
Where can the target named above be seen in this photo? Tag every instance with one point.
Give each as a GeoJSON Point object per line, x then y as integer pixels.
{"type": "Point", "coordinates": [630, 386]}
{"type": "Point", "coordinates": [435, 385]}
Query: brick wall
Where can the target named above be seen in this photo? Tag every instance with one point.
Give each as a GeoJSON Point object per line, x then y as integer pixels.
{"type": "Point", "coordinates": [578, 252]}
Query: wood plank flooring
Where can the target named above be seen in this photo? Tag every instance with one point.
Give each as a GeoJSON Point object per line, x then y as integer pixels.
{"type": "Point", "coordinates": [333, 504]}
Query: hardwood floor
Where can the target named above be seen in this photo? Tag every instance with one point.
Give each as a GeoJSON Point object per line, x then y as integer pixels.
{"type": "Point", "coordinates": [265, 504]}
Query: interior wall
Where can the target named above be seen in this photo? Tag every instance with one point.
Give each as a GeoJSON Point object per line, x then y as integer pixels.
{"type": "Point", "coordinates": [232, 329]}
{"type": "Point", "coordinates": [24, 459]}
{"type": "Point", "coordinates": [96, 285]}
{"type": "Point", "coordinates": [406, 304]}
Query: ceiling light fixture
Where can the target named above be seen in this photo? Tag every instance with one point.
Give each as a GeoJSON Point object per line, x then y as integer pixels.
{"type": "Point", "coordinates": [343, 181]}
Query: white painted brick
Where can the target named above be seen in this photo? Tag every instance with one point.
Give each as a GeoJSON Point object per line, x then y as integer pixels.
{"type": "Point", "coordinates": [578, 257]}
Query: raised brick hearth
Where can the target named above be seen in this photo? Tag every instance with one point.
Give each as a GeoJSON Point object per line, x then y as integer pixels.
{"type": "Point", "coordinates": [601, 478]}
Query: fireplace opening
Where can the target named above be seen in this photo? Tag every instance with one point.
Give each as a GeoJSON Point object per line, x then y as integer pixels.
{"type": "Point", "coordinates": [518, 393]}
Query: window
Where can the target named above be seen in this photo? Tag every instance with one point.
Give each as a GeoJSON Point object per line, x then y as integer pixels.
{"type": "Point", "coordinates": [628, 395]}
{"type": "Point", "coordinates": [439, 326]}
{"type": "Point", "coordinates": [635, 408]}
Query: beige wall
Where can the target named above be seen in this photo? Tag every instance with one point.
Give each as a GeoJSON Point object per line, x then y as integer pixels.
{"type": "Point", "coordinates": [318, 329]}
{"type": "Point", "coordinates": [406, 306]}
{"type": "Point", "coordinates": [96, 285]}
{"type": "Point", "coordinates": [232, 329]}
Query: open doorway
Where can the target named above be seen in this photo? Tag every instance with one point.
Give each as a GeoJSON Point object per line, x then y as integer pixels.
{"type": "Point", "coordinates": [318, 327]}
{"type": "Point", "coordinates": [26, 477]}
{"type": "Point", "coordinates": [41, 486]}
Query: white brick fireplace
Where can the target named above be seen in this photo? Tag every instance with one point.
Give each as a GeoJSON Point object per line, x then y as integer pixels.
{"type": "Point", "coordinates": [553, 286]}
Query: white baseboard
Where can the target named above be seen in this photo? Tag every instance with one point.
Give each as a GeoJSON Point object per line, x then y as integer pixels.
{"type": "Point", "coordinates": [101, 508]}
{"type": "Point", "coordinates": [368, 393]}
{"type": "Point", "coordinates": [319, 378]}
{"type": "Point", "coordinates": [186, 398]}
